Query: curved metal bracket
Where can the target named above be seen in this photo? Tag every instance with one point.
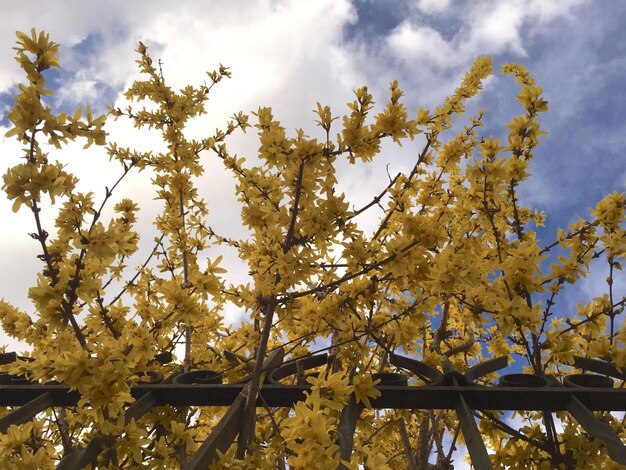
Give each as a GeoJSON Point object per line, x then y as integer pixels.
{"type": "Point", "coordinates": [419, 368]}
{"type": "Point", "coordinates": [479, 370]}
{"type": "Point", "coordinates": [601, 367]}
{"type": "Point", "coordinates": [291, 368]}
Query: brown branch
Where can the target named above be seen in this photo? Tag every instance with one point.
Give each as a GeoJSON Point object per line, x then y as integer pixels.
{"type": "Point", "coordinates": [348, 277]}
{"type": "Point", "coordinates": [288, 243]}
{"type": "Point", "coordinates": [376, 199]}
{"type": "Point", "coordinates": [52, 271]}
{"type": "Point", "coordinates": [406, 444]}
{"type": "Point", "coordinates": [248, 423]}
{"type": "Point", "coordinates": [460, 348]}
{"type": "Point", "coordinates": [569, 236]}
{"type": "Point", "coordinates": [139, 270]}
{"type": "Point", "coordinates": [512, 431]}
{"type": "Point", "coordinates": [406, 185]}
{"type": "Point", "coordinates": [244, 176]}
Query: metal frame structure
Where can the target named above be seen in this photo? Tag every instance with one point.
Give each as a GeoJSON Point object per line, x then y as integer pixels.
{"type": "Point", "coordinates": [452, 391]}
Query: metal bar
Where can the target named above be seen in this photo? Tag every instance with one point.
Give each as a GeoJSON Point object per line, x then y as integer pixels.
{"type": "Point", "coordinates": [81, 457]}
{"type": "Point", "coordinates": [433, 397]}
{"type": "Point", "coordinates": [428, 397]}
{"type": "Point", "coordinates": [273, 361]}
{"type": "Point", "coordinates": [140, 407]}
{"type": "Point", "coordinates": [475, 445]}
{"type": "Point", "coordinates": [7, 358]}
{"type": "Point", "coordinates": [417, 367]}
{"type": "Point", "coordinates": [18, 395]}
{"type": "Point", "coordinates": [474, 373]}
{"type": "Point", "coordinates": [601, 367]}
{"type": "Point", "coordinates": [78, 458]}
{"type": "Point", "coordinates": [26, 412]}
{"type": "Point", "coordinates": [291, 368]}
{"type": "Point", "coordinates": [598, 429]}
{"type": "Point", "coordinates": [345, 430]}
{"type": "Point", "coordinates": [222, 435]}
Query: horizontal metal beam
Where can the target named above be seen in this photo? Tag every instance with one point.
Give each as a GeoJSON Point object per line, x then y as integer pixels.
{"type": "Point", "coordinates": [426, 397]}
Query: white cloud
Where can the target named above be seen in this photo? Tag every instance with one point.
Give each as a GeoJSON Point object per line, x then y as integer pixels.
{"type": "Point", "coordinates": [4, 111]}
{"type": "Point", "coordinates": [421, 44]}
{"type": "Point", "coordinates": [68, 24]}
{"type": "Point", "coordinates": [484, 27]}
{"type": "Point", "coordinates": [433, 6]}
{"type": "Point", "coordinates": [546, 11]}
{"type": "Point", "coordinates": [496, 28]}
{"type": "Point", "coordinates": [81, 90]}
{"type": "Point", "coordinates": [301, 61]}
{"type": "Point", "coordinates": [595, 284]}
{"type": "Point", "coordinates": [304, 59]}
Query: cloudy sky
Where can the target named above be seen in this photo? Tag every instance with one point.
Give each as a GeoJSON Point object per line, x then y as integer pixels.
{"type": "Point", "coordinates": [290, 54]}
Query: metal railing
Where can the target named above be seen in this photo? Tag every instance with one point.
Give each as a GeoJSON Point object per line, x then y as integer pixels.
{"type": "Point", "coordinates": [578, 394]}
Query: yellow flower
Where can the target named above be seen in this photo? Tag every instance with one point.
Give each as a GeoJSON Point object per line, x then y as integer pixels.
{"type": "Point", "coordinates": [365, 388]}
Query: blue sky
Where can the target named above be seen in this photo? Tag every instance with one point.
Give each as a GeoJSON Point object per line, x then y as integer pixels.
{"type": "Point", "coordinates": [290, 54]}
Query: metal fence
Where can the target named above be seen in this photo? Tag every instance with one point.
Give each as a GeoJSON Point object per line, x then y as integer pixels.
{"type": "Point", "coordinates": [578, 394]}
